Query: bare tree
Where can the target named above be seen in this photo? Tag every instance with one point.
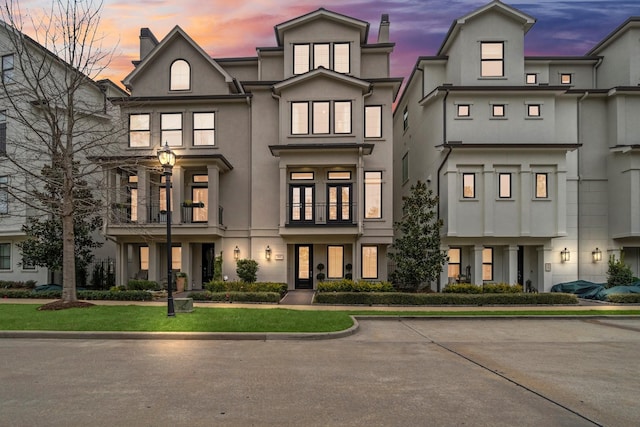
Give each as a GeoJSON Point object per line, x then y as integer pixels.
{"type": "Point", "coordinates": [56, 113]}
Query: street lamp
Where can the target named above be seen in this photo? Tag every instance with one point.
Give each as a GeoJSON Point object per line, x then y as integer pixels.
{"type": "Point", "coordinates": [167, 159]}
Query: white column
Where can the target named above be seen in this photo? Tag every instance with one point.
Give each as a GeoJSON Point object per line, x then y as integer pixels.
{"type": "Point", "coordinates": [511, 257]}
{"type": "Point", "coordinates": [283, 195]}
{"type": "Point", "coordinates": [154, 263]}
{"type": "Point", "coordinates": [177, 196]}
{"type": "Point", "coordinates": [186, 264]}
{"type": "Point", "coordinates": [144, 194]}
{"type": "Point", "coordinates": [213, 192]}
{"type": "Point", "coordinates": [545, 275]}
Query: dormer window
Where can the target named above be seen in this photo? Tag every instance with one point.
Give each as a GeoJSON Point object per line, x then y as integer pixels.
{"type": "Point", "coordinates": [180, 75]}
{"type": "Point", "coordinates": [565, 79]}
{"type": "Point", "coordinates": [492, 59]}
{"type": "Point", "coordinates": [332, 56]}
{"type": "Point", "coordinates": [532, 78]}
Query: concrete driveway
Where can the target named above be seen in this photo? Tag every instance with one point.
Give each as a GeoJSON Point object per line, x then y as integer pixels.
{"type": "Point", "coordinates": [401, 372]}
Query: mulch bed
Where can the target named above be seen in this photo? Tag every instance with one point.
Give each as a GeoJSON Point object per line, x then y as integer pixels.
{"type": "Point", "coordinates": [62, 305]}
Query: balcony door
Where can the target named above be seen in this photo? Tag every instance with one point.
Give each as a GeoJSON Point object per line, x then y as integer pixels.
{"type": "Point", "coordinates": [302, 202]}
{"type": "Point", "coordinates": [304, 267]}
{"type": "Point", "coordinates": [339, 206]}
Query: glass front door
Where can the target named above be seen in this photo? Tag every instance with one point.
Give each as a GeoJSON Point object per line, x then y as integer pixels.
{"type": "Point", "coordinates": [304, 267]}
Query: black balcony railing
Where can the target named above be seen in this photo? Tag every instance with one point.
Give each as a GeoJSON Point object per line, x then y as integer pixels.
{"type": "Point", "coordinates": [123, 213]}
{"type": "Point", "coordinates": [321, 214]}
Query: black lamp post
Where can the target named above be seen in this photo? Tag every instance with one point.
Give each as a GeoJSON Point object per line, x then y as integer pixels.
{"type": "Point", "coordinates": [167, 159]}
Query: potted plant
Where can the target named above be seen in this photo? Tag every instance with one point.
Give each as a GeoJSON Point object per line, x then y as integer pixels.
{"type": "Point", "coordinates": [349, 275]}
{"type": "Point", "coordinates": [320, 276]}
{"type": "Point", "coordinates": [181, 281]}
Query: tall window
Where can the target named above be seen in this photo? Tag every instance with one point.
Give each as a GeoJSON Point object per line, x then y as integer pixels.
{"type": "Point", "coordinates": [4, 194]}
{"type": "Point", "coordinates": [341, 57]}
{"type": "Point", "coordinates": [5, 256]}
{"type": "Point", "coordinates": [133, 197]}
{"type": "Point", "coordinates": [171, 126]}
{"type": "Point", "coordinates": [454, 263]}
{"type": "Point", "coordinates": [405, 168]}
{"type": "Point", "coordinates": [542, 189]}
{"type": "Point", "coordinates": [339, 198]}
{"type": "Point", "coordinates": [468, 185]}
{"type": "Point", "coordinates": [335, 262]}
{"type": "Point", "coordinates": [301, 58]}
{"type": "Point", "coordinates": [492, 59]}
{"type": "Point", "coordinates": [342, 117]}
{"type": "Point", "coordinates": [373, 121]}
{"type": "Point", "coordinates": [504, 183]}
{"type": "Point", "coordinates": [7, 68]}
{"type": "Point", "coordinates": [299, 118]}
{"type": "Point", "coordinates": [369, 262]}
{"type": "Point", "coordinates": [487, 264]}
{"type": "Point", "coordinates": [302, 203]}
{"type": "Point", "coordinates": [204, 125]}
{"type": "Point", "coordinates": [144, 257]}
{"type": "Point", "coordinates": [373, 194]}
{"type": "Point", "coordinates": [139, 131]}
{"type": "Point", "coordinates": [180, 75]}
{"type": "Point", "coordinates": [405, 118]}
{"type": "Point", "coordinates": [176, 258]}
{"type": "Point", "coordinates": [200, 195]}
{"type": "Point", "coordinates": [321, 117]}
{"type": "Point", "coordinates": [3, 132]}
{"type": "Point", "coordinates": [321, 55]}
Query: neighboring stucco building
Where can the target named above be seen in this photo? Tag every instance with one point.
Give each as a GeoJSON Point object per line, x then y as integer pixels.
{"type": "Point", "coordinates": [284, 158]}
{"type": "Point", "coordinates": [534, 159]}
{"type": "Point", "coordinates": [25, 135]}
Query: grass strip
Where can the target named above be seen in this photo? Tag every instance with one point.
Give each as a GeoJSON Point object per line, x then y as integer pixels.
{"type": "Point", "coordinates": [215, 319]}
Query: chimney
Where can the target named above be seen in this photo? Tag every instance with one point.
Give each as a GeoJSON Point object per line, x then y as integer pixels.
{"type": "Point", "coordinates": [147, 42]}
{"type": "Point", "coordinates": [383, 32]}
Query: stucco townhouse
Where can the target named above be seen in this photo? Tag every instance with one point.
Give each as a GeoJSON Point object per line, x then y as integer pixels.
{"type": "Point", "coordinates": [31, 75]}
{"type": "Point", "coordinates": [284, 158]}
{"type": "Point", "coordinates": [534, 158]}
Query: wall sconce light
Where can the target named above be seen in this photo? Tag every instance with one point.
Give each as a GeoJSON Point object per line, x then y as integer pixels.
{"type": "Point", "coordinates": [565, 255]}
{"type": "Point", "coordinates": [236, 253]}
{"type": "Point", "coordinates": [597, 255]}
{"type": "Point", "coordinates": [267, 253]}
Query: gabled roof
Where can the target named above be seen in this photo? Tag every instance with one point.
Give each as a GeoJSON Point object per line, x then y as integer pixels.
{"type": "Point", "coordinates": [322, 13]}
{"type": "Point", "coordinates": [315, 73]}
{"type": "Point", "coordinates": [632, 22]}
{"type": "Point", "coordinates": [157, 51]}
{"type": "Point", "coordinates": [527, 21]}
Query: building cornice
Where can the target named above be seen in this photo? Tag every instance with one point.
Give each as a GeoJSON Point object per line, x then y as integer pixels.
{"type": "Point", "coordinates": [276, 150]}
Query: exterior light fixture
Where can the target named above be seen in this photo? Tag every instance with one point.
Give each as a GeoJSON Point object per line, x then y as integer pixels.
{"type": "Point", "coordinates": [597, 255]}
{"type": "Point", "coordinates": [565, 255]}
{"type": "Point", "coordinates": [236, 253]}
{"type": "Point", "coordinates": [167, 159]}
{"type": "Point", "coordinates": [267, 253]}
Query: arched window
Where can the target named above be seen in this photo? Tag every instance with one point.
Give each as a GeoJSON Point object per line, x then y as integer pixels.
{"type": "Point", "coordinates": [180, 75]}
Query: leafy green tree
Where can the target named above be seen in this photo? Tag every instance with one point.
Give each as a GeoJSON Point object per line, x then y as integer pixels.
{"type": "Point", "coordinates": [416, 252]}
{"type": "Point", "coordinates": [44, 242]}
{"type": "Point", "coordinates": [247, 270]}
{"type": "Point", "coordinates": [619, 273]}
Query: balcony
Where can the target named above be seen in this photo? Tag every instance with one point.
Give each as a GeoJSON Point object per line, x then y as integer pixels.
{"type": "Point", "coordinates": [321, 215]}
{"type": "Point", "coordinates": [124, 213]}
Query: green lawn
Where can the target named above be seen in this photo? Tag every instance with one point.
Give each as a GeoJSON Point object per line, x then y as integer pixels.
{"type": "Point", "coordinates": [217, 319]}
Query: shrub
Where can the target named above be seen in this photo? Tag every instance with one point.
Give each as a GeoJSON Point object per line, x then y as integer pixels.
{"type": "Point", "coordinates": [619, 273]}
{"type": "Point", "coordinates": [83, 295]}
{"type": "Point", "coordinates": [402, 298]}
{"type": "Point", "coordinates": [347, 285]}
{"type": "Point", "coordinates": [218, 286]}
{"type": "Point", "coordinates": [247, 270]}
{"type": "Point", "coordinates": [11, 284]}
{"type": "Point", "coordinates": [143, 285]}
{"type": "Point", "coordinates": [232, 296]}
{"type": "Point", "coordinates": [489, 288]}
{"type": "Point", "coordinates": [624, 298]}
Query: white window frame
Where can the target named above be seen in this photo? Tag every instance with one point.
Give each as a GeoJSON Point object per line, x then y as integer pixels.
{"type": "Point", "coordinates": [180, 75]}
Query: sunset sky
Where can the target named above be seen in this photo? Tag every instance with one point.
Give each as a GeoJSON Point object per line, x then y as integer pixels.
{"type": "Point", "coordinates": [225, 28]}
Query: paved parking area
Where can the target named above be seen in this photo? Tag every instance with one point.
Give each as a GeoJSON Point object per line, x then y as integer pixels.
{"type": "Point", "coordinates": [401, 372]}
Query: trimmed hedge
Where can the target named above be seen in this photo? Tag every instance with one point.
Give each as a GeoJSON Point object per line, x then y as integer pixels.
{"type": "Point", "coordinates": [624, 298]}
{"type": "Point", "coordinates": [220, 286]}
{"type": "Point", "coordinates": [489, 288]}
{"type": "Point", "coordinates": [143, 285]}
{"type": "Point", "coordinates": [82, 295]}
{"type": "Point", "coordinates": [401, 298]}
{"type": "Point", "coordinates": [232, 296]}
{"type": "Point", "coordinates": [347, 285]}
{"type": "Point", "coordinates": [11, 284]}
